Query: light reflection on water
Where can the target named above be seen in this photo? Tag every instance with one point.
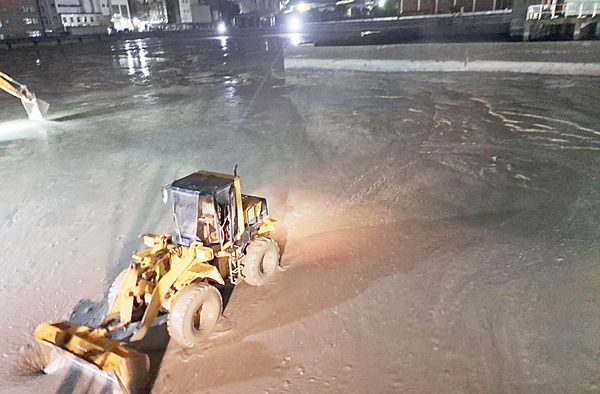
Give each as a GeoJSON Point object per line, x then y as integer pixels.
{"type": "Point", "coordinates": [23, 129]}
{"type": "Point", "coordinates": [295, 39]}
{"type": "Point", "coordinates": [135, 57]}
{"type": "Point", "coordinates": [223, 41]}
{"type": "Point", "coordinates": [156, 59]}
{"type": "Point", "coordinates": [232, 68]}
{"type": "Point", "coordinates": [149, 72]}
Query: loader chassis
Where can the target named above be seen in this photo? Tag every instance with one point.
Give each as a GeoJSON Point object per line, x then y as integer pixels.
{"type": "Point", "coordinates": [207, 209]}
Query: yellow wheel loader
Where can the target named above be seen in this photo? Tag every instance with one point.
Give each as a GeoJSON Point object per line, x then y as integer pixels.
{"type": "Point", "coordinates": [220, 234]}
{"type": "Point", "coordinates": [36, 108]}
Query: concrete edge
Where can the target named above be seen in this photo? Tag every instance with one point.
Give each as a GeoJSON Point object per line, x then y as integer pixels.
{"type": "Point", "coordinates": [401, 66]}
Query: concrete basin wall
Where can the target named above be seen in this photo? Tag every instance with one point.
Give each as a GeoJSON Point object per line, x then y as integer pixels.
{"type": "Point", "coordinates": [574, 58]}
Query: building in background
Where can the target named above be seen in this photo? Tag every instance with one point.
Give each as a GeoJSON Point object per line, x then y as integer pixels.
{"type": "Point", "coordinates": [145, 13]}
{"type": "Point", "coordinates": [188, 12]}
{"type": "Point", "coordinates": [75, 16]}
{"type": "Point", "coordinates": [20, 18]}
{"type": "Point", "coordinates": [248, 6]}
{"type": "Point", "coordinates": [328, 10]}
{"type": "Point", "coordinates": [120, 15]}
{"type": "Point", "coordinates": [31, 18]}
{"type": "Point", "coordinates": [257, 13]}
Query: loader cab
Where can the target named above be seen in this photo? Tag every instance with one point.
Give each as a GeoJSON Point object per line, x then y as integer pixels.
{"type": "Point", "coordinates": [205, 208]}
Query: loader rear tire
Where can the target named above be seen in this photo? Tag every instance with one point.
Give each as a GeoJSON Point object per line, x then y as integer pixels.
{"type": "Point", "coordinates": [261, 261]}
{"type": "Point", "coordinates": [195, 313]}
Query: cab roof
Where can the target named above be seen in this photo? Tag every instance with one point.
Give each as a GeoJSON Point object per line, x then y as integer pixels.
{"type": "Point", "coordinates": [204, 182]}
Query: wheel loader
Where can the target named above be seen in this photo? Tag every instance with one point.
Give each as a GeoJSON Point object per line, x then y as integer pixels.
{"type": "Point", "coordinates": [220, 235]}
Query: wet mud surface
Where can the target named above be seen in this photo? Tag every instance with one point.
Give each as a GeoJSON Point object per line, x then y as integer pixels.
{"type": "Point", "coordinates": [439, 229]}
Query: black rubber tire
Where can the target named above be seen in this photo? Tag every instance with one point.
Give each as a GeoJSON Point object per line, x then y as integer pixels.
{"type": "Point", "coordinates": [114, 289]}
{"type": "Point", "coordinates": [195, 313]}
{"type": "Point", "coordinates": [261, 261]}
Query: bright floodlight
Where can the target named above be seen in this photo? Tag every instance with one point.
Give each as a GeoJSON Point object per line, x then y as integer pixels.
{"type": "Point", "coordinates": [221, 28]}
{"type": "Point", "coordinates": [381, 3]}
{"type": "Point", "coordinates": [294, 24]}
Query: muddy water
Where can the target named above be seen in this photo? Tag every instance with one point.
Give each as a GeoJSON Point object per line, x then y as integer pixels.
{"type": "Point", "coordinates": [439, 229]}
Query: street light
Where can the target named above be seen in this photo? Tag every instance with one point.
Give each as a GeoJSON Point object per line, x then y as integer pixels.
{"type": "Point", "coordinates": [221, 28]}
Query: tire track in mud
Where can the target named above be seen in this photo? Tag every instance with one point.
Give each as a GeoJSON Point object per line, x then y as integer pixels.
{"type": "Point", "coordinates": [505, 356]}
{"type": "Point", "coordinates": [289, 300]}
{"type": "Point", "coordinates": [371, 182]}
{"type": "Point", "coordinates": [513, 292]}
{"type": "Point", "coordinates": [389, 166]}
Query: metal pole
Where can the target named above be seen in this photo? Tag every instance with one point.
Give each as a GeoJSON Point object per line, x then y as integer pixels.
{"type": "Point", "coordinates": [418, 5]}
{"type": "Point", "coordinates": [436, 6]}
{"type": "Point", "coordinates": [494, 6]}
{"type": "Point", "coordinates": [473, 10]}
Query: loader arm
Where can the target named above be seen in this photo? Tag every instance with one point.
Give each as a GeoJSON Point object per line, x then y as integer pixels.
{"type": "Point", "coordinates": [12, 87]}
{"type": "Point", "coordinates": [36, 109]}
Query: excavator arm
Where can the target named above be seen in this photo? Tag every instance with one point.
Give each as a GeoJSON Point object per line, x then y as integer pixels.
{"type": "Point", "coordinates": [36, 108]}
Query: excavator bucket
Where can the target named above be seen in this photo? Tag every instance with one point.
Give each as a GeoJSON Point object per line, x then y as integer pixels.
{"type": "Point", "coordinates": [36, 108]}
{"type": "Point", "coordinates": [67, 345]}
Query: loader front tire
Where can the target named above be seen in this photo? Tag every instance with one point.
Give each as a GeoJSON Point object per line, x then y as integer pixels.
{"type": "Point", "coordinates": [195, 313]}
{"type": "Point", "coordinates": [261, 260]}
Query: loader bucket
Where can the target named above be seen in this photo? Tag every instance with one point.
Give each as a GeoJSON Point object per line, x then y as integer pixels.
{"type": "Point", "coordinates": [36, 108]}
{"type": "Point", "coordinates": [67, 345]}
